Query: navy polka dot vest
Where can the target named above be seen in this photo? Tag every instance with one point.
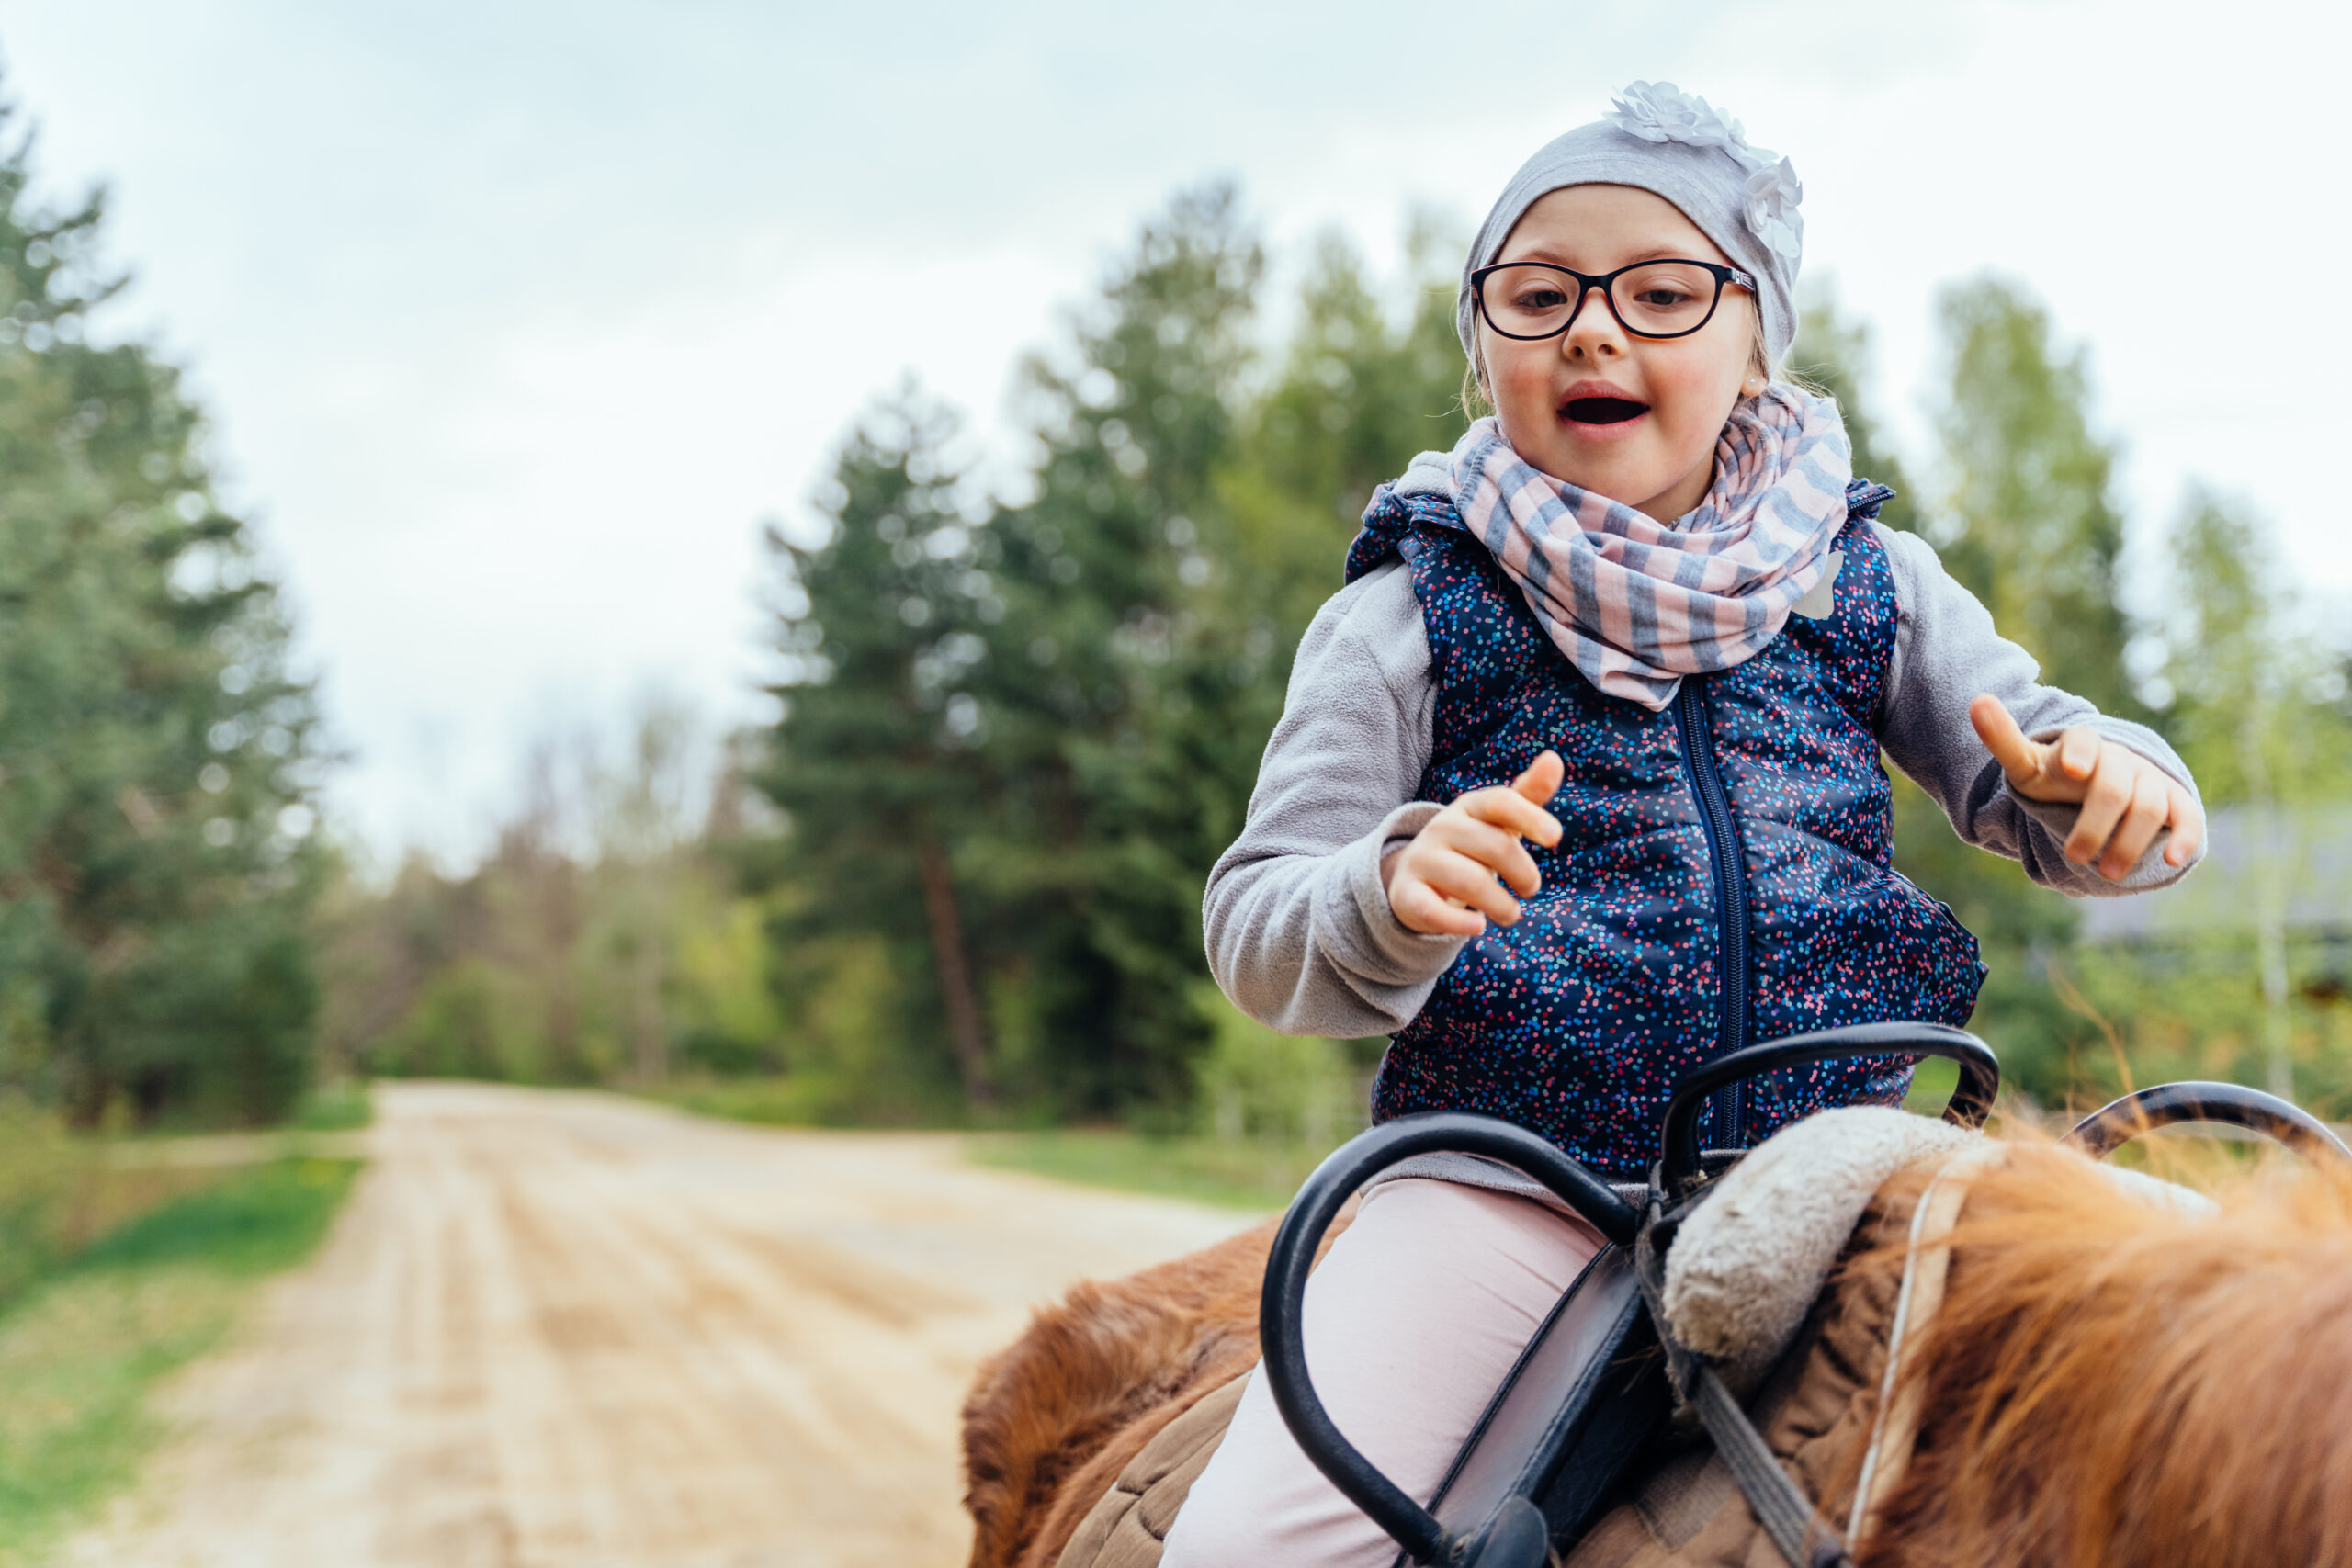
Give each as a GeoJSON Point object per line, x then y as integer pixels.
{"type": "Point", "coordinates": [1763, 780]}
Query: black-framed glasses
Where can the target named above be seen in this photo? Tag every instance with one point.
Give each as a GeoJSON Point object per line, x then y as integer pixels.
{"type": "Point", "coordinates": [1673, 297]}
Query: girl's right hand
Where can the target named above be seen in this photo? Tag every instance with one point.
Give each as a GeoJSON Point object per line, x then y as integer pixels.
{"type": "Point", "coordinates": [1443, 882]}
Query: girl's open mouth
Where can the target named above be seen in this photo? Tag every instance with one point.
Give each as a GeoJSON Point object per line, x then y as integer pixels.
{"type": "Point", "coordinates": [1603, 411]}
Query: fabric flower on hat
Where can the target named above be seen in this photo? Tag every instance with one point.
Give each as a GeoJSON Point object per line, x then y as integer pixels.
{"type": "Point", "coordinates": [1660, 111]}
{"type": "Point", "coordinates": [1773, 191]}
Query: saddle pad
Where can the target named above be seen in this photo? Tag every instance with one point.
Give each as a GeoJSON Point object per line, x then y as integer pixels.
{"type": "Point", "coordinates": [1128, 1529]}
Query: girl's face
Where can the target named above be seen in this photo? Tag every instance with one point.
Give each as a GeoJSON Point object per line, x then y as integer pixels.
{"type": "Point", "coordinates": [1634, 419]}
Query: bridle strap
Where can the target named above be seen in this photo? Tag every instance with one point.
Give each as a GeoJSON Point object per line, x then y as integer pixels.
{"type": "Point", "coordinates": [1927, 1264]}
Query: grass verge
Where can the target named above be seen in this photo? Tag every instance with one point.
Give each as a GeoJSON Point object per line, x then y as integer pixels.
{"type": "Point", "coordinates": [766, 1101]}
{"type": "Point", "coordinates": [344, 1107]}
{"type": "Point", "coordinates": [1237, 1173]}
{"type": "Point", "coordinates": [1242, 1173]}
{"type": "Point", "coordinates": [82, 1348]}
{"type": "Point", "coordinates": [804, 1101]}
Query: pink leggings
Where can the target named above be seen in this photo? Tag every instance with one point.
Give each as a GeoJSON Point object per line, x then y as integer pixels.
{"type": "Point", "coordinates": [1412, 1320]}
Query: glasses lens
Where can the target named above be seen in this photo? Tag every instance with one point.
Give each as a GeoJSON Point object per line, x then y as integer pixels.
{"type": "Point", "coordinates": [1528, 301]}
{"type": "Point", "coordinates": [1666, 298]}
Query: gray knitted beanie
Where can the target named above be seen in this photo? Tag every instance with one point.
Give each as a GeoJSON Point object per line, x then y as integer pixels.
{"type": "Point", "coordinates": [1659, 139]}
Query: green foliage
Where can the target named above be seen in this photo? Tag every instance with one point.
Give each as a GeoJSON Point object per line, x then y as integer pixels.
{"type": "Point", "coordinates": [613, 938]}
{"type": "Point", "coordinates": [724, 1011]}
{"type": "Point", "coordinates": [2252, 702]}
{"type": "Point", "coordinates": [2138, 1015]}
{"type": "Point", "coordinates": [878, 762]}
{"type": "Point", "coordinates": [607, 938]}
{"type": "Point", "coordinates": [1058, 705]}
{"type": "Point", "coordinates": [2256, 709]}
{"type": "Point", "coordinates": [158, 756]}
{"type": "Point", "coordinates": [469, 1022]}
{"type": "Point", "coordinates": [341, 1107]}
{"type": "Point", "coordinates": [1286, 1089]}
{"type": "Point", "coordinates": [1832, 355]}
{"type": "Point", "coordinates": [2027, 525]}
{"type": "Point", "coordinates": [1127, 722]}
{"type": "Point", "coordinates": [2256, 704]}
{"type": "Point", "coordinates": [2034, 531]}
{"type": "Point", "coordinates": [1359, 394]}
{"type": "Point", "coordinates": [2018, 923]}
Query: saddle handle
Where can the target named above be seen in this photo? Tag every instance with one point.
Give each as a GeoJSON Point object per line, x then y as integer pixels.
{"type": "Point", "coordinates": [1281, 1320]}
{"type": "Point", "coordinates": [2119, 1121]}
{"type": "Point", "coordinates": [1971, 1096]}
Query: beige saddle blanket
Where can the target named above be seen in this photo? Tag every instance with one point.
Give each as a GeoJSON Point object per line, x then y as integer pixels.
{"type": "Point", "coordinates": [1129, 1526]}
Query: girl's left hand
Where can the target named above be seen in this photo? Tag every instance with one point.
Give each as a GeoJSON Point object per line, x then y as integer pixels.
{"type": "Point", "coordinates": [2126, 799]}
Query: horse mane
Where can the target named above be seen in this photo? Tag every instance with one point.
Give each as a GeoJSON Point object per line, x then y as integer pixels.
{"type": "Point", "coordinates": [2115, 1380]}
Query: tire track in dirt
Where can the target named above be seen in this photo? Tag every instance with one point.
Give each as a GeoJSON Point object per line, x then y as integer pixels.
{"type": "Point", "coordinates": [572, 1328]}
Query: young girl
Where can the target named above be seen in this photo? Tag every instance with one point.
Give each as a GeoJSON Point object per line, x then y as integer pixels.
{"type": "Point", "coordinates": [1577, 783]}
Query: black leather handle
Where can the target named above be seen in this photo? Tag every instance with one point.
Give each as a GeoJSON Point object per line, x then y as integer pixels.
{"type": "Point", "coordinates": [1280, 1327]}
{"type": "Point", "coordinates": [1971, 1096]}
{"type": "Point", "coordinates": [2112, 1126]}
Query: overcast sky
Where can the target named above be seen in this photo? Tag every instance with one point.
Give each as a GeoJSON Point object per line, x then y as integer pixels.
{"type": "Point", "coordinates": [516, 320]}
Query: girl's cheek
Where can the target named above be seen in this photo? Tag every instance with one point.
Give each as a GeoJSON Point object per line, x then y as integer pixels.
{"type": "Point", "coordinates": [1693, 395]}
{"type": "Point", "coordinates": [1679, 386]}
{"type": "Point", "coordinates": [1522, 395]}
{"type": "Point", "coordinates": [1519, 379]}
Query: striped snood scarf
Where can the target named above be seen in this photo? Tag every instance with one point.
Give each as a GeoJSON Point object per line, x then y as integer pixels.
{"type": "Point", "coordinates": [1636, 604]}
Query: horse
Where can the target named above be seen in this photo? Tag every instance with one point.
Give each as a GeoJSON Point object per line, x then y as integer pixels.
{"type": "Point", "coordinates": [2108, 1379]}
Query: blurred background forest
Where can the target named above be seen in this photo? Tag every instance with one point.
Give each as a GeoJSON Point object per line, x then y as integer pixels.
{"type": "Point", "coordinates": [958, 881]}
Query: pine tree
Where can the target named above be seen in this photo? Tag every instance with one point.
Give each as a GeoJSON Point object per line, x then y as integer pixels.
{"type": "Point", "coordinates": [880, 758]}
{"type": "Point", "coordinates": [1106, 657]}
{"type": "Point", "coordinates": [1117, 708]}
{"type": "Point", "coordinates": [155, 863]}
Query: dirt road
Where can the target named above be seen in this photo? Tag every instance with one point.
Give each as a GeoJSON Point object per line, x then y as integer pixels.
{"type": "Point", "coordinates": [574, 1329]}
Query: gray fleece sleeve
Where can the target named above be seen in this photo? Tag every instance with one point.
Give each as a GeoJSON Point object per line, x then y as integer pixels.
{"type": "Point", "coordinates": [1300, 934]}
{"type": "Point", "coordinates": [1946, 653]}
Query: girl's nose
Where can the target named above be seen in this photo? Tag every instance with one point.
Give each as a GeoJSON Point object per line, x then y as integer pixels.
{"type": "Point", "coordinates": [1595, 332]}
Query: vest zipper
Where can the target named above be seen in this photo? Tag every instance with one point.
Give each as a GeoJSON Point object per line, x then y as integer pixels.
{"type": "Point", "coordinates": [1723, 848]}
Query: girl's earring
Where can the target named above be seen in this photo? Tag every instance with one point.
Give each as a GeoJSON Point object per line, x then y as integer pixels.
{"type": "Point", "coordinates": [1753, 385]}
